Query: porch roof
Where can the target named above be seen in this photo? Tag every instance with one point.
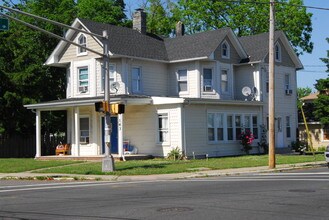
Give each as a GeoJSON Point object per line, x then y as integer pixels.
{"type": "Point", "coordinates": [72, 102]}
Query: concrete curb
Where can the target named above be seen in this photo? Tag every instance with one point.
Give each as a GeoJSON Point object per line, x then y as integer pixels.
{"type": "Point", "coordinates": [190, 175]}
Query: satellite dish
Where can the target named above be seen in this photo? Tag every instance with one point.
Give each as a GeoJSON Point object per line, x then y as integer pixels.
{"type": "Point", "coordinates": [115, 86]}
{"type": "Point", "coordinates": [246, 91]}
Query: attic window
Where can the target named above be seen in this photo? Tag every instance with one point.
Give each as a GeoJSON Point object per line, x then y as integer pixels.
{"type": "Point", "coordinates": [82, 40]}
{"type": "Point", "coordinates": [225, 50]}
{"type": "Point", "coordinates": [277, 53]}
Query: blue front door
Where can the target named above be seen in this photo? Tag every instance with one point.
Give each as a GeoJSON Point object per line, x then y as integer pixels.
{"type": "Point", "coordinates": [114, 135]}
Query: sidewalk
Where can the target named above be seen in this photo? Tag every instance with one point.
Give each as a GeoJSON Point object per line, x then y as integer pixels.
{"type": "Point", "coordinates": [196, 174]}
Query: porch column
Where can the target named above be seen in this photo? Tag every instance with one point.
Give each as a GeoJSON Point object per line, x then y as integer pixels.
{"type": "Point", "coordinates": [120, 135]}
{"type": "Point", "coordinates": [77, 131]}
{"type": "Point", "coordinates": [38, 133]}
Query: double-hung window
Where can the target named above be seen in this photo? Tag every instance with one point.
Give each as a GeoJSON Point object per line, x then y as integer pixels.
{"type": "Point", "coordinates": [182, 80]}
{"type": "Point", "coordinates": [84, 130]}
{"type": "Point", "coordinates": [238, 126]}
{"type": "Point", "coordinates": [224, 81]}
{"type": "Point", "coordinates": [230, 135]}
{"type": "Point", "coordinates": [225, 50]}
{"type": "Point", "coordinates": [215, 126]}
{"type": "Point", "coordinates": [83, 79]}
{"type": "Point", "coordinates": [111, 77]}
{"type": "Point", "coordinates": [163, 128]}
{"type": "Point", "coordinates": [207, 80]}
{"type": "Point", "coordinates": [82, 40]}
{"type": "Point", "coordinates": [136, 80]}
{"type": "Point", "coordinates": [277, 52]}
{"type": "Point", "coordinates": [287, 81]}
{"type": "Point", "coordinates": [288, 127]}
{"type": "Point", "coordinates": [255, 126]}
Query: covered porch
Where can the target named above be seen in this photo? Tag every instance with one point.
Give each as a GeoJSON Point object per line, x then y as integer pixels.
{"type": "Point", "coordinates": [84, 130]}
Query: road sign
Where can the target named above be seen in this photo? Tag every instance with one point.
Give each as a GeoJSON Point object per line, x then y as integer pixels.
{"type": "Point", "coordinates": [4, 24]}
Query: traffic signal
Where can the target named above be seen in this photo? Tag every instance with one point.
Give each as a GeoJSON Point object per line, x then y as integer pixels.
{"type": "Point", "coordinates": [113, 108]}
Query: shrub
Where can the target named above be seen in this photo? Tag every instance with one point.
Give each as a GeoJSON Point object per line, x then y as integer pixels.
{"type": "Point", "coordinates": [246, 139]}
{"type": "Point", "coordinates": [175, 154]}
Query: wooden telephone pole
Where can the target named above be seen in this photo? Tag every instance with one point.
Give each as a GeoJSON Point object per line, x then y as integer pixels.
{"type": "Point", "coordinates": [271, 104]}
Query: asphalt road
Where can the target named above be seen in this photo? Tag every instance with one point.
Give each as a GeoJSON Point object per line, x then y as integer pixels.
{"type": "Point", "coordinates": [302, 194]}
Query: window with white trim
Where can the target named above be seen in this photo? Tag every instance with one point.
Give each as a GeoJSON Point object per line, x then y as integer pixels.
{"type": "Point", "coordinates": [238, 126]}
{"type": "Point", "coordinates": [287, 81]}
{"type": "Point", "coordinates": [228, 127]}
{"type": "Point", "coordinates": [82, 40]}
{"type": "Point", "coordinates": [255, 126]}
{"type": "Point", "coordinates": [182, 80]}
{"type": "Point", "coordinates": [136, 80]}
{"type": "Point", "coordinates": [84, 130]}
{"type": "Point", "coordinates": [207, 80]}
{"type": "Point", "coordinates": [225, 50]}
{"type": "Point", "coordinates": [163, 128]}
{"type": "Point", "coordinates": [215, 126]}
{"type": "Point", "coordinates": [224, 80]}
{"type": "Point", "coordinates": [288, 127]}
{"type": "Point", "coordinates": [111, 77]}
{"type": "Point", "coordinates": [83, 79]}
{"type": "Point", "coordinates": [231, 128]}
{"type": "Point", "coordinates": [230, 134]}
{"type": "Point", "coordinates": [277, 52]}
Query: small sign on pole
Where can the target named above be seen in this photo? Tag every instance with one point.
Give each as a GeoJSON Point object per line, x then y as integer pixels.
{"type": "Point", "coordinates": [4, 24]}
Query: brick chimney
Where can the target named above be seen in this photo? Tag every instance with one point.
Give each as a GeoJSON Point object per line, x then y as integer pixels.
{"type": "Point", "coordinates": [139, 21]}
{"type": "Point", "coordinates": [180, 29]}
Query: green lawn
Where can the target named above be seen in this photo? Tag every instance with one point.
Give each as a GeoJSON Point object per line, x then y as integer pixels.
{"type": "Point", "coordinates": [147, 167]}
{"type": "Point", "coordinates": [20, 165]}
{"type": "Point", "coordinates": [162, 166]}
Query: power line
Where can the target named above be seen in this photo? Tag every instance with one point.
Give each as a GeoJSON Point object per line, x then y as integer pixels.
{"type": "Point", "coordinates": [282, 3]}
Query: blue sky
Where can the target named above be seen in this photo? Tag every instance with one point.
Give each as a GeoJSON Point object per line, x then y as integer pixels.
{"type": "Point", "coordinates": [314, 68]}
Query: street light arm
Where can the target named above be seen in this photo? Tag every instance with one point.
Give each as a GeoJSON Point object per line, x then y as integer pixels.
{"type": "Point", "coordinates": [51, 34]}
{"type": "Point", "coordinates": [51, 21]}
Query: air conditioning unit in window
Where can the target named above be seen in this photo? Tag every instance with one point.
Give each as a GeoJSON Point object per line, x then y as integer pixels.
{"type": "Point", "coordinates": [83, 89]}
{"type": "Point", "coordinates": [288, 92]}
{"type": "Point", "coordinates": [208, 88]}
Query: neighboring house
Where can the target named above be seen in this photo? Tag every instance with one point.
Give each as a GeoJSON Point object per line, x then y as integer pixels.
{"type": "Point", "coordinates": [183, 92]}
{"type": "Point", "coordinates": [319, 133]}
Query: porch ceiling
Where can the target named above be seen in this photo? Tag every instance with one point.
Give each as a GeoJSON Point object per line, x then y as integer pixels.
{"type": "Point", "coordinates": [63, 104]}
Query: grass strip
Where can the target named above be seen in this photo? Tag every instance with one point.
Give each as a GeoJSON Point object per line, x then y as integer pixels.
{"type": "Point", "coordinates": [163, 166]}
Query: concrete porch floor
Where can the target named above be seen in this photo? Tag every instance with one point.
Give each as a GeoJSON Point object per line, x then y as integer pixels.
{"type": "Point", "coordinates": [96, 158]}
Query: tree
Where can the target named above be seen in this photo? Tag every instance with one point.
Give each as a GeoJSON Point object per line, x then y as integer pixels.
{"type": "Point", "coordinates": [158, 18]}
{"type": "Point", "coordinates": [105, 11]}
{"type": "Point", "coordinates": [248, 18]}
{"type": "Point", "coordinates": [23, 51]}
{"type": "Point", "coordinates": [308, 107]}
{"type": "Point", "coordinates": [322, 102]}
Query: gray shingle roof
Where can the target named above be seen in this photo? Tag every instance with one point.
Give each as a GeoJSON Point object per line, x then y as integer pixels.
{"type": "Point", "coordinates": [256, 46]}
{"type": "Point", "coordinates": [129, 42]}
{"type": "Point", "coordinates": [196, 45]}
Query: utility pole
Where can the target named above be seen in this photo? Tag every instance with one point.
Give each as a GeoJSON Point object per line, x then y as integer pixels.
{"type": "Point", "coordinates": [271, 104]}
{"type": "Point", "coordinates": [108, 161]}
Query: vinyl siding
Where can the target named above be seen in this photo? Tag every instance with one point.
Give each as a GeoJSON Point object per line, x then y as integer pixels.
{"type": "Point", "coordinates": [70, 53]}
{"type": "Point", "coordinates": [197, 130]}
{"type": "Point", "coordinates": [234, 56]}
{"type": "Point", "coordinates": [140, 128]}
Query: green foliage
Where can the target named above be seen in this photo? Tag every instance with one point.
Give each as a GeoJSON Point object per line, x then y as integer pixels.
{"type": "Point", "coordinates": [302, 92]}
{"type": "Point", "coordinates": [175, 154]}
{"type": "Point", "coordinates": [23, 51]}
{"type": "Point", "coordinates": [105, 11]}
{"type": "Point", "coordinates": [247, 18]}
{"type": "Point", "coordinates": [158, 18]}
{"type": "Point", "coordinates": [321, 104]}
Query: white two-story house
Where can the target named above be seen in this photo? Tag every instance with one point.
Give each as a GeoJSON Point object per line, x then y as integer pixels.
{"type": "Point", "coordinates": [195, 92]}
